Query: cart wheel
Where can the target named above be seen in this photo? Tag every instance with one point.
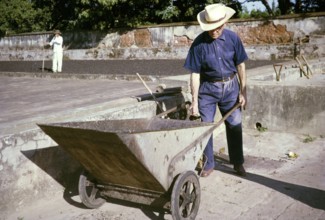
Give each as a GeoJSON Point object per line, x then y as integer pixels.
{"type": "Point", "coordinates": [88, 192]}
{"type": "Point", "coordinates": [186, 195]}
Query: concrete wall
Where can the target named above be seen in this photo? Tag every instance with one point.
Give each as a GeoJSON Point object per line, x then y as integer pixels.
{"type": "Point", "coordinates": [279, 38]}
{"type": "Point", "coordinates": [294, 104]}
{"type": "Point", "coordinates": [283, 108]}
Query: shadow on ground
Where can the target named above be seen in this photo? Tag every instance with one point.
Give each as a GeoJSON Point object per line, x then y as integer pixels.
{"type": "Point", "coordinates": [53, 160]}
{"type": "Point", "coordinates": [310, 196]}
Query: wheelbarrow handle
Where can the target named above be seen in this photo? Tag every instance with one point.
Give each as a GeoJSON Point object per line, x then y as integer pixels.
{"type": "Point", "coordinates": [197, 141]}
{"type": "Point", "coordinates": [217, 124]}
{"type": "Point", "coordinates": [196, 117]}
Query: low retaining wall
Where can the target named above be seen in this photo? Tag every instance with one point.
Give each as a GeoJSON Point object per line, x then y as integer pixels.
{"type": "Point", "coordinates": [293, 104]}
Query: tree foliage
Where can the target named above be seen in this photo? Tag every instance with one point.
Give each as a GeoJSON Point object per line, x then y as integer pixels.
{"type": "Point", "coordinates": [303, 6]}
{"type": "Point", "coordinates": [18, 16]}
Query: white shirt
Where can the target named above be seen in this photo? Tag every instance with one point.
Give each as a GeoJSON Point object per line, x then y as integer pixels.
{"type": "Point", "coordinates": [57, 42]}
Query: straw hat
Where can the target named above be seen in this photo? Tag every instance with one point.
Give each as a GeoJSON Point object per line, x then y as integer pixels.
{"type": "Point", "coordinates": [214, 16]}
{"type": "Point", "coordinates": [57, 32]}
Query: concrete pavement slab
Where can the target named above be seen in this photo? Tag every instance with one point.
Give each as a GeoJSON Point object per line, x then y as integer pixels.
{"type": "Point", "coordinates": [26, 100]}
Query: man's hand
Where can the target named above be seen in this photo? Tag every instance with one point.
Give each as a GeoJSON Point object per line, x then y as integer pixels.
{"type": "Point", "coordinates": [194, 109]}
{"type": "Point", "coordinates": [47, 46]}
{"type": "Point", "coordinates": [242, 100]}
{"type": "Point", "coordinates": [242, 79]}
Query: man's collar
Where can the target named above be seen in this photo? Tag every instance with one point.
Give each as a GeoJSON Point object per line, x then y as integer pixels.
{"type": "Point", "coordinates": [221, 37]}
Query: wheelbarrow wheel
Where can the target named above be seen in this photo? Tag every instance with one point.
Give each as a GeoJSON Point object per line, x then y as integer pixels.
{"type": "Point", "coordinates": [88, 192]}
{"type": "Point", "coordinates": [185, 197]}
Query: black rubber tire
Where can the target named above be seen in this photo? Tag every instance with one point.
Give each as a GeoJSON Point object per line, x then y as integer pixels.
{"type": "Point", "coordinates": [186, 196]}
{"type": "Point", "coordinates": [88, 193]}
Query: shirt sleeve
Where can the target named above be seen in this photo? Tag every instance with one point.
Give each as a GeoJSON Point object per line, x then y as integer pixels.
{"type": "Point", "coordinates": [52, 41]}
{"type": "Point", "coordinates": [56, 40]}
{"type": "Point", "coordinates": [241, 54]}
{"type": "Point", "coordinates": [193, 60]}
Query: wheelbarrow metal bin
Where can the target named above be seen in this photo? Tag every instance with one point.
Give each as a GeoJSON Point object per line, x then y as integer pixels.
{"type": "Point", "coordinates": [148, 161]}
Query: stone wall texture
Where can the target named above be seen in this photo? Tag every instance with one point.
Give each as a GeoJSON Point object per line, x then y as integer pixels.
{"type": "Point", "coordinates": [278, 38]}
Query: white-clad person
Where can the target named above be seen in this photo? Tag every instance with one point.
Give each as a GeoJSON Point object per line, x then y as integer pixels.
{"type": "Point", "coordinates": [57, 44]}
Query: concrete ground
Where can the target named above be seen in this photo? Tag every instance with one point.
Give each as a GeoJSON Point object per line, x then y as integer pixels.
{"type": "Point", "coordinates": [276, 186]}
{"type": "Point", "coordinates": [26, 101]}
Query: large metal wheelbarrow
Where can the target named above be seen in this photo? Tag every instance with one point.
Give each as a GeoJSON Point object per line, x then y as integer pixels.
{"type": "Point", "coordinates": [147, 161]}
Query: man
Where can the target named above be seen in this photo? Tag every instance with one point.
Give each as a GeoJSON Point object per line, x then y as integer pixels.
{"type": "Point", "coordinates": [57, 43]}
{"type": "Point", "coordinates": [216, 61]}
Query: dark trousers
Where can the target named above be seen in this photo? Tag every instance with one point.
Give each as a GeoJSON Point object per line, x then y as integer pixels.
{"type": "Point", "coordinates": [223, 95]}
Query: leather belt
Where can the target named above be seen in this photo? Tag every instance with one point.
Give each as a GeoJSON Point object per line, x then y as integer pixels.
{"type": "Point", "coordinates": [224, 79]}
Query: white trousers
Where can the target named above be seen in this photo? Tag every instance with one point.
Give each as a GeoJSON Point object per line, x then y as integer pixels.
{"type": "Point", "coordinates": [57, 62]}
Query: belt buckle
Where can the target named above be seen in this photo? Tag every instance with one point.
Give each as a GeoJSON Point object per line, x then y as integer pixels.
{"type": "Point", "coordinates": [226, 79]}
